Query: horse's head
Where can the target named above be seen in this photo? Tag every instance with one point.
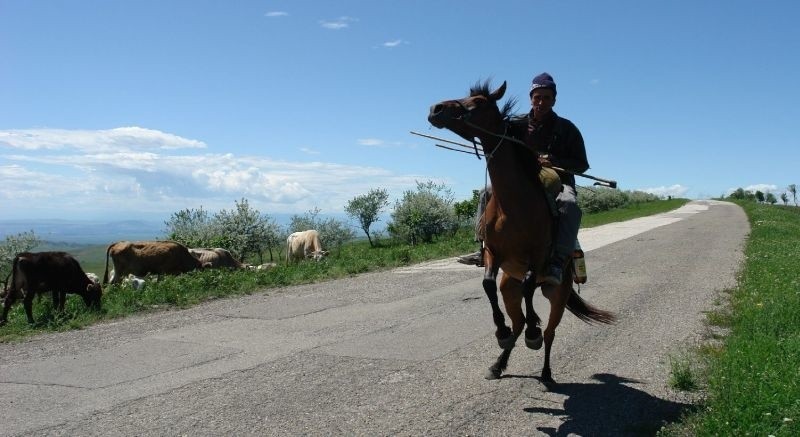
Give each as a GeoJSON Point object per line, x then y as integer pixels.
{"type": "Point", "coordinates": [466, 117]}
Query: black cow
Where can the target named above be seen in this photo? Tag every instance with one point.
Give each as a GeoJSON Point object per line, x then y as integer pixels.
{"type": "Point", "coordinates": [56, 272]}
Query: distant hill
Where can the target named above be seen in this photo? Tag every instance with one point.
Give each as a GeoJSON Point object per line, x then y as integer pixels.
{"type": "Point", "coordinates": [84, 231]}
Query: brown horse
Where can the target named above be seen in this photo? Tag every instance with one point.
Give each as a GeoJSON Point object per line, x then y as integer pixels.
{"type": "Point", "coordinates": [517, 225]}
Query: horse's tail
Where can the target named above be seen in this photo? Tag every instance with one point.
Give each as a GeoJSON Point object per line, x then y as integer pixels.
{"type": "Point", "coordinates": [582, 310]}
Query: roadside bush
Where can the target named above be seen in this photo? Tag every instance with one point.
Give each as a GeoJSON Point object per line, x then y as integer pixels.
{"type": "Point", "coordinates": [466, 210]}
{"type": "Point", "coordinates": [423, 214]}
{"type": "Point", "coordinates": [599, 199]}
{"type": "Point", "coordinates": [244, 231]}
{"type": "Point", "coordinates": [13, 245]}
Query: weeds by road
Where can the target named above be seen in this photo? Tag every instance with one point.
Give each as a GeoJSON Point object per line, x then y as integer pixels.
{"type": "Point", "coordinates": [753, 380]}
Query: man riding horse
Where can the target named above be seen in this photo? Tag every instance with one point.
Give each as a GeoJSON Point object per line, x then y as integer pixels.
{"type": "Point", "coordinates": [560, 144]}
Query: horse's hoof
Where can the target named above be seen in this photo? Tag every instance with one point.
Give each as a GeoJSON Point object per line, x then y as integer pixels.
{"type": "Point", "coordinates": [492, 373]}
{"type": "Point", "coordinates": [535, 343]}
{"type": "Point", "coordinates": [507, 342]}
{"type": "Point", "coordinates": [533, 338]}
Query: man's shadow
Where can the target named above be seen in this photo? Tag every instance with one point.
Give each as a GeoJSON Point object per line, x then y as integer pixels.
{"type": "Point", "coordinates": [610, 408]}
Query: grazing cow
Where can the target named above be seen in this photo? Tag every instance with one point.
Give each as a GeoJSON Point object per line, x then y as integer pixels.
{"type": "Point", "coordinates": [40, 272]}
{"type": "Point", "coordinates": [149, 257]}
{"type": "Point", "coordinates": [217, 257]}
{"type": "Point", "coordinates": [304, 244]}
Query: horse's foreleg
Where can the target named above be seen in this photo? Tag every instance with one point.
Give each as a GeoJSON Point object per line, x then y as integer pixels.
{"type": "Point", "coordinates": [533, 333]}
{"type": "Point", "coordinates": [503, 333]}
{"type": "Point", "coordinates": [501, 364]}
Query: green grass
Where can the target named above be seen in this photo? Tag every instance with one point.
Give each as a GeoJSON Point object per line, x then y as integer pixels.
{"type": "Point", "coordinates": [754, 377]}
{"type": "Point", "coordinates": [195, 287]}
{"type": "Point", "coordinates": [630, 212]}
{"type": "Point", "coordinates": [682, 376]}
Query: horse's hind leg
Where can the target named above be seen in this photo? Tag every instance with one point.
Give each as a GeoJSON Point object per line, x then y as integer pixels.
{"type": "Point", "coordinates": [504, 337]}
{"type": "Point", "coordinates": [533, 334]}
{"type": "Point", "coordinates": [558, 302]}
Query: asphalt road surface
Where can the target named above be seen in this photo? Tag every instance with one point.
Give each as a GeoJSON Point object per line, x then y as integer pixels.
{"type": "Point", "coordinates": [400, 352]}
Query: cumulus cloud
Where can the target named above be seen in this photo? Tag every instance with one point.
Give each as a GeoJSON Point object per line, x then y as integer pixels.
{"type": "Point", "coordinates": [65, 174]}
{"type": "Point", "coordinates": [337, 24]}
{"type": "Point", "coordinates": [676, 190]}
{"type": "Point", "coordinates": [764, 188]}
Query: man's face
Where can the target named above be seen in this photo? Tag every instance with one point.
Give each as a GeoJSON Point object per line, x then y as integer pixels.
{"type": "Point", "coordinates": [542, 102]}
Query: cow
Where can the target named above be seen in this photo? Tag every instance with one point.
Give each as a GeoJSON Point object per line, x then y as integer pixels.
{"type": "Point", "coordinates": [59, 273]}
{"type": "Point", "coordinates": [149, 257]}
{"type": "Point", "coordinates": [304, 244]}
{"type": "Point", "coordinates": [217, 257]}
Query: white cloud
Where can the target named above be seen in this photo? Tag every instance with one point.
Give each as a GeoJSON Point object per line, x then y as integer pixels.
{"type": "Point", "coordinates": [394, 43]}
{"type": "Point", "coordinates": [309, 151]}
{"type": "Point", "coordinates": [764, 188]}
{"type": "Point", "coordinates": [88, 178]}
{"type": "Point", "coordinates": [676, 190]}
{"type": "Point", "coordinates": [95, 141]}
{"type": "Point", "coordinates": [370, 142]}
{"type": "Point", "coordinates": [337, 24]}
{"type": "Point", "coordinates": [276, 14]}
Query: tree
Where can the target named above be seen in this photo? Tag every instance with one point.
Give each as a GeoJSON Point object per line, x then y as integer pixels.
{"type": "Point", "coordinates": [793, 189]}
{"type": "Point", "coordinates": [771, 199]}
{"type": "Point", "coordinates": [784, 198]}
{"type": "Point", "coordinates": [466, 209]}
{"type": "Point", "coordinates": [366, 209]}
{"type": "Point", "coordinates": [13, 245]}
{"type": "Point", "coordinates": [759, 196]}
{"type": "Point", "coordinates": [423, 214]}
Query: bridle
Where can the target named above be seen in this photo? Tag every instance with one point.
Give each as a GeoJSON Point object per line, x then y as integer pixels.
{"type": "Point", "coordinates": [503, 137]}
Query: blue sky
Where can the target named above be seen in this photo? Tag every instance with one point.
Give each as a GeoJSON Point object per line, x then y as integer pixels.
{"type": "Point", "coordinates": [138, 109]}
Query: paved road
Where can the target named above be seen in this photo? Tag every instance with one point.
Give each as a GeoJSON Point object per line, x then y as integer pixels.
{"type": "Point", "coordinates": [401, 352]}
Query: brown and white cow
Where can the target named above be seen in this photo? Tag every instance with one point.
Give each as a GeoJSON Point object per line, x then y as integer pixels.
{"type": "Point", "coordinates": [304, 244]}
{"type": "Point", "coordinates": [149, 257]}
{"type": "Point", "coordinates": [217, 257]}
{"type": "Point", "coordinates": [59, 273]}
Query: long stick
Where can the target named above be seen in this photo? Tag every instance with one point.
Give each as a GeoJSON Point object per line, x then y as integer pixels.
{"type": "Point", "coordinates": [457, 150]}
{"type": "Point", "coordinates": [606, 182]}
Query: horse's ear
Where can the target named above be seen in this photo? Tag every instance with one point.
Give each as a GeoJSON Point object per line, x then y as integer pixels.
{"type": "Point", "coordinates": [498, 93]}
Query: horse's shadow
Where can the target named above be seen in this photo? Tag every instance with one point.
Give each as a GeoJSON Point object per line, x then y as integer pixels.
{"type": "Point", "coordinates": [610, 408]}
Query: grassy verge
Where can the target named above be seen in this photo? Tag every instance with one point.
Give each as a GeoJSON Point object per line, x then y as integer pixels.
{"type": "Point", "coordinates": [630, 212]}
{"type": "Point", "coordinates": [753, 381]}
{"type": "Point", "coordinates": [192, 288]}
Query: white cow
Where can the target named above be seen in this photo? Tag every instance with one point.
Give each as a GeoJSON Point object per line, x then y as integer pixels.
{"type": "Point", "coordinates": [304, 244]}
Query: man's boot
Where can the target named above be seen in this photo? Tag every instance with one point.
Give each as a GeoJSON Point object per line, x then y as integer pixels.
{"type": "Point", "coordinates": [475, 259]}
{"type": "Point", "coordinates": [555, 271]}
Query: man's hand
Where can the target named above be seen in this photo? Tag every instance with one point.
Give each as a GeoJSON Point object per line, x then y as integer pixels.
{"type": "Point", "coordinates": [544, 161]}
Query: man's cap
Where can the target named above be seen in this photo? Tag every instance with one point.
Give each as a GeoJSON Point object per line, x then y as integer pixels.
{"type": "Point", "coordinates": [544, 80]}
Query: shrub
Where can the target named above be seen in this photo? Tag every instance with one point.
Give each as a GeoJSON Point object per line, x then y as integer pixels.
{"type": "Point", "coordinates": [423, 214]}
{"type": "Point", "coordinates": [13, 245]}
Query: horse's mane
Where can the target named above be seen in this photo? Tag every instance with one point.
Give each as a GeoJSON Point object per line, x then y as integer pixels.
{"type": "Point", "coordinates": [483, 88]}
